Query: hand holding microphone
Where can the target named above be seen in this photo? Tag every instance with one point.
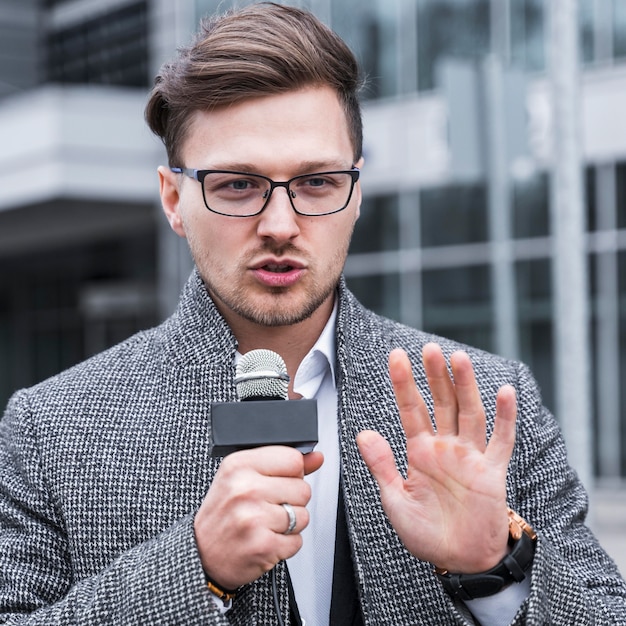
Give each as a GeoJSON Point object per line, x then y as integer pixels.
{"type": "Point", "coordinates": [241, 525]}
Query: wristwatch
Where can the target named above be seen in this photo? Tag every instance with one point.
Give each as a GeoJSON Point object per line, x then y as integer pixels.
{"type": "Point", "coordinates": [512, 568]}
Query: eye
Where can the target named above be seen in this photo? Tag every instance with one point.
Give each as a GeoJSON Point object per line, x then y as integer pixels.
{"type": "Point", "coordinates": [315, 181]}
{"type": "Point", "coordinates": [233, 184]}
{"type": "Point", "coordinates": [239, 185]}
{"type": "Point", "coordinates": [323, 183]}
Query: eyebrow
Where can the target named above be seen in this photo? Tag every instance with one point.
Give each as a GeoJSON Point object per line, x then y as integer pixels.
{"type": "Point", "coordinates": [304, 167]}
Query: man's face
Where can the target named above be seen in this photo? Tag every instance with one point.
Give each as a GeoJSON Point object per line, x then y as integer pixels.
{"type": "Point", "coordinates": [277, 268]}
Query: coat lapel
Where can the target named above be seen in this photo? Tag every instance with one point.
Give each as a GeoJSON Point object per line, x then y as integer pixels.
{"type": "Point", "coordinates": [394, 586]}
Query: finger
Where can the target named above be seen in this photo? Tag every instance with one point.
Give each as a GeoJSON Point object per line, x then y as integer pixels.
{"type": "Point", "coordinates": [441, 388]}
{"type": "Point", "coordinates": [268, 460]}
{"type": "Point", "coordinates": [500, 447]}
{"type": "Point", "coordinates": [243, 479]}
{"type": "Point", "coordinates": [379, 459]}
{"type": "Point", "coordinates": [413, 411]}
{"type": "Point", "coordinates": [295, 491]}
{"type": "Point", "coordinates": [471, 413]}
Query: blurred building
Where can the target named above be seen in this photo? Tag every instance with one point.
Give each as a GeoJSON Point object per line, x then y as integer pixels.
{"type": "Point", "coordinates": [455, 234]}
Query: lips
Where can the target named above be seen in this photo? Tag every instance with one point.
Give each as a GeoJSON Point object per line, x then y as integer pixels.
{"type": "Point", "coordinates": [277, 264]}
{"type": "Point", "coordinates": [278, 272]}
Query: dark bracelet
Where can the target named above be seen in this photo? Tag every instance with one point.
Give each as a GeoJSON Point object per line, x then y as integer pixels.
{"type": "Point", "coordinates": [225, 595]}
{"type": "Point", "coordinates": [512, 568]}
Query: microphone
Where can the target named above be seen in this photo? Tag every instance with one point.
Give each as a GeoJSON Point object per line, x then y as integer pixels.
{"type": "Point", "coordinates": [262, 417]}
{"type": "Point", "coordinates": [261, 375]}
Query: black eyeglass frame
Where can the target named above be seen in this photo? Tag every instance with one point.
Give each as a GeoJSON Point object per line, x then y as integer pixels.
{"type": "Point", "coordinates": [200, 175]}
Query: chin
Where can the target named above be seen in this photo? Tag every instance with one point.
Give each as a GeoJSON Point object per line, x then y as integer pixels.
{"type": "Point", "coordinates": [281, 311]}
{"type": "Point", "coordinates": [276, 317]}
{"type": "Point", "coordinates": [273, 308]}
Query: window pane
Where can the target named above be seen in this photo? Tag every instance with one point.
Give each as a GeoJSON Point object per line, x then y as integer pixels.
{"type": "Point", "coordinates": [534, 298]}
{"type": "Point", "coordinates": [369, 28]}
{"type": "Point", "coordinates": [619, 28]}
{"type": "Point", "coordinates": [449, 28]}
{"type": "Point", "coordinates": [622, 333]}
{"type": "Point", "coordinates": [530, 207]}
{"type": "Point", "coordinates": [379, 293]}
{"type": "Point", "coordinates": [590, 198]}
{"type": "Point", "coordinates": [45, 326]}
{"type": "Point", "coordinates": [453, 215]}
{"type": "Point", "coordinates": [527, 34]}
{"type": "Point", "coordinates": [534, 288]}
{"type": "Point", "coordinates": [109, 50]}
{"type": "Point", "coordinates": [620, 173]}
{"type": "Point", "coordinates": [457, 304]}
{"type": "Point", "coordinates": [377, 227]}
{"type": "Point", "coordinates": [587, 28]}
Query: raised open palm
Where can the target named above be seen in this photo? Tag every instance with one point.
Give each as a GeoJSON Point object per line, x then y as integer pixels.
{"type": "Point", "coordinates": [451, 509]}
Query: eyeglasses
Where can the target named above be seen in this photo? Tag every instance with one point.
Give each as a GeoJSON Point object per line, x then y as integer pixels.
{"type": "Point", "coordinates": [239, 194]}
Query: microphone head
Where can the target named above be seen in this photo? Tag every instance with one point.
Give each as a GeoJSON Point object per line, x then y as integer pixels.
{"type": "Point", "coordinates": [261, 374]}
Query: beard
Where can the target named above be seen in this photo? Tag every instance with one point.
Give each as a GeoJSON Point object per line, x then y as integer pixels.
{"type": "Point", "coordinates": [280, 310]}
{"type": "Point", "coordinates": [278, 306]}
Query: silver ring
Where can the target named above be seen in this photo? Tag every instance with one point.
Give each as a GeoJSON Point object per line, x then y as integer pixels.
{"type": "Point", "coordinates": [292, 518]}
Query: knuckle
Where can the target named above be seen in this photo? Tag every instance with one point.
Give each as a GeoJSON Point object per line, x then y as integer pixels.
{"type": "Point", "coordinates": [246, 518]}
{"type": "Point", "coordinates": [294, 462]}
{"type": "Point", "coordinates": [305, 492]}
{"type": "Point", "coordinates": [229, 468]}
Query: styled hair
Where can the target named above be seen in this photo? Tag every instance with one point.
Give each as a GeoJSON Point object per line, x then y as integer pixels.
{"type": "Point", "coordinates": [262, 49]}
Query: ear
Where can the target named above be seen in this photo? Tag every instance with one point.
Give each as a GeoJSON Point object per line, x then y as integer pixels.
{"type": "Point", "coordinates": [169, 187]}
{"type": "Point", "coordinates": [358, 164]}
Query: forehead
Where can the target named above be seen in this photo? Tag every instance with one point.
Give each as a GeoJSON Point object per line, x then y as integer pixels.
{"type": "Point", "coordinates": [304, 125]}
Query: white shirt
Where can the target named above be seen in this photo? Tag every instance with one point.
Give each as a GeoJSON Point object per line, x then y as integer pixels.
{"type": "Point", "coordinates": [311, 569]}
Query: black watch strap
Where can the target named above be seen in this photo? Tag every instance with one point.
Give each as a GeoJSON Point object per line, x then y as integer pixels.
{"type": "Point", "coordinates": [512, 568]}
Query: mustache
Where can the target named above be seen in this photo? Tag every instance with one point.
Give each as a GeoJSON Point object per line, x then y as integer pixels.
{"type": "Point", "coordinates": [278, 251]}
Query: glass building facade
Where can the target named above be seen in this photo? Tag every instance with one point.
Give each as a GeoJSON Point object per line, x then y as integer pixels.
{"type": "Point", "coordinates": [450, 233]}
{"type": "Point", "coordinates": [107, 49]}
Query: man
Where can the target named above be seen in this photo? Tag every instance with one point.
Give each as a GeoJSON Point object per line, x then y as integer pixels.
{"type": "Point", "coordinates": [111, 507]}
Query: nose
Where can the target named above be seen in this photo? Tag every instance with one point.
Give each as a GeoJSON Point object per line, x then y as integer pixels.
{"type": "Point", "coordinates": [278, 221]}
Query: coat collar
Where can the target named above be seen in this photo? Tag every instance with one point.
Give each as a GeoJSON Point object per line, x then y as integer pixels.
{"type": "Point", "coordinates": [198, 334]}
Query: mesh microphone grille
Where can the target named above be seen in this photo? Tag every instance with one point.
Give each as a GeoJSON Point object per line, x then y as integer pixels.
{"type": "Point", "coordinates": [272, 380]}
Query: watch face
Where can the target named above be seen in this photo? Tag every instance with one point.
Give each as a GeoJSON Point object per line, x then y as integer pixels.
{"type": "Point", "coordinates": [518, 525]}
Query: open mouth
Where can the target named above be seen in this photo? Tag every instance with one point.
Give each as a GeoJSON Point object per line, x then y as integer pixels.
{"type": "Point", "coordinates": [278, 271]}
{"type": "Point", "coordinates": [277, 268]}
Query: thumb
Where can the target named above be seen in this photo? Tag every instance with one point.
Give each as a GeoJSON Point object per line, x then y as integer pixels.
{"type": "Point", "coordinates": [378, 457]}
{"type": "Point", "coordinates": [313, 461]}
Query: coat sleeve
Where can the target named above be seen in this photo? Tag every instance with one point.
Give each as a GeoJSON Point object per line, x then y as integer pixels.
{"type": "Point", "coordinates": [573, 579]}
{"type": "Point", "coordinates": [157, 582]}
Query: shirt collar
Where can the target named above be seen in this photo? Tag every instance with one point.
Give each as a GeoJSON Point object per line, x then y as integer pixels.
{"type": "Point", "coordinates": [319, 360]}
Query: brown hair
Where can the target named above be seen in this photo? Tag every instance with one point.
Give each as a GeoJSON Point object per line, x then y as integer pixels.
{"type": "Point", "coordinates": [263, 49]}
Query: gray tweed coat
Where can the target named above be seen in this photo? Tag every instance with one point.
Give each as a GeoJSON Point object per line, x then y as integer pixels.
{"type": "Point", "coordinates": [103, 466]}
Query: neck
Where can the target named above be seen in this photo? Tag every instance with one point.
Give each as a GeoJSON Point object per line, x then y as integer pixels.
{"type": "Point", "coordinates": [291, 342]}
